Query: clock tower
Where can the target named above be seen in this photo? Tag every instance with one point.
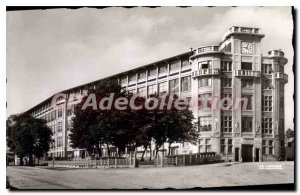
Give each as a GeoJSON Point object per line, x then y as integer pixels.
{"type": "Point", "coordinates": [243, 43]}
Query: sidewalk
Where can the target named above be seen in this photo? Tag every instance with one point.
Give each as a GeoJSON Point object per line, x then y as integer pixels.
{"type": "Point", "coordinates": [213, 175]}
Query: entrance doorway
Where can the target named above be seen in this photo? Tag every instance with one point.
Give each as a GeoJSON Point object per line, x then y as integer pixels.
{"type": "Point", "coordinates": [247, 155]}
{"type": "Point", "coordinates": [257, 155]}
{"type": "Point", "coordinates": [236, 156]}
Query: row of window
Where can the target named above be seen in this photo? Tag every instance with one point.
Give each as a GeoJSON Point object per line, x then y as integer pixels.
{"type": "Point", "coordinates": [51, 116]}
{"type": "Point", "coordinates": [205, 124]}
{"type": "Point", "coordinates": [205, 101]}
{"type": "Point", "coordinates": [226, 66]}
{"type": "Point", "coordinates": [174, 66]}
{"type": "Point", "coordinates": [163, 87]}
{"type": "Point", "coordinates": [226, 146]}
{"type": "Point", "coordinates": [225, 82]}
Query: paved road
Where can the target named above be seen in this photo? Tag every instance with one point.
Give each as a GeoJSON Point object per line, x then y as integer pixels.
{"type": "Point", "coordinates": [214, 175]}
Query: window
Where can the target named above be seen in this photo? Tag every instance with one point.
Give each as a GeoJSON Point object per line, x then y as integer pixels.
{"type": "Point", "coordinates": [162, 88]}
{"type": "Point", "coordinates": [59, 127]}
{"type": "Point", "coordinates": [228, 101]}
{"type": "Point", "coordinates": [226, 82]}
{"type": "Point", "coordinates": [174, 86]}
{"type": "Point", "coordinates": [131, 92]}
{"type": "Point", "coordinates": [267, 103]}
{"type": "Point", "coordinates": [186, 83]}
{"type": "Point", "coordinates": [163, 69]}
{"type": "Point", "coordinates": [59, 141]}
{"type": "Point", "coordinates": [152, 72]}
{"type": "Point", "coordinates": [247, 102]}
{"type": "Point", "coordinates": [53, 115]}
{"type": "Point", "coordinates": [229, 147]}
{"type": "Point", "coordinates": [247, 83]}
{"type": "Point", "coordinates": [185, 64]}
{"type": "Point", "coordinates": [204, 65]}
{"type": "Point", "coordinates": [281, 103]}
{"type": "Point", "coordinates": [226, 124]}
{"type": "Point", "coordinates": [201, 146]}
{"type": "Point", "coordinates": [247, 124]}
{"type": "Point", "coordinates": [226, 66]}
{"type": "Point", "coordinates": [174, 66]}
{"type": "Point", "coordinates": [246, 66]}
{"type": "Point", "coordinates": [281, 86]}
{"type": "Point", "coordinates": [152, 90]}
{"type": "Point", "coordinates": [59, 113]}
{"type": "Point", "coordinates": [223, 146]}
{"type": "Point", "coordinates": [141, 91]}
{"type": "Point", "coordinates": [267, 68]}
{"type": "Point", "coordinates": [207, 145]}
{"type": "Point", "coordinates": [204, 123]}
{"type": "Point", "coordinates": [281, 69]}
{"type": "Point", "coordinates": [141, 75]}
{"type": "Point", "coordinates": [69, 112]}
{"type": "Point", "coordinates": [204, 82]}
{"type": "Point", "coordinates": [270, 147]}
{"type": "Point", "coordinates": [267, 125]}
{"type": "Point", "coordinates": [204, 101]}
{"type": "Point", "coordinates": [264, 147]}
{"type": "Point", "coordinates": [124, 81]}
{"type": "Point", "coordinates": [132, 79]}
{"type": "Point", "coordinates": [266, 84]}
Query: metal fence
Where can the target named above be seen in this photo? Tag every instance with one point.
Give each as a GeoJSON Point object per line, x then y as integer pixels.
{"type": "Point", "coordinates": [86, 163]}
{"type": "Point", "coordinates": [116, 162]}
{"type": "Point", "coordinates": [189, 159]}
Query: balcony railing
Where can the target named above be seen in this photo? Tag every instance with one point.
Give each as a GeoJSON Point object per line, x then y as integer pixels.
{"type": "Point", "coordinates": [206, 72]}
{"type": "Point", "coordinates": [276, 53]}
{"type": "Point", "coordinates": [246, 73]}
{"type": "Point", "coordinates": [206, 50]}
{"type": "Point", "coordinates": [281, 76]}
{"type": "Point", "coordinates": [237, 29]}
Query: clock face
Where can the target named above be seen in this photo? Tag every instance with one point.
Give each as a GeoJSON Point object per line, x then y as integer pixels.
{"type": "Point", "coordinates": [247, 48]}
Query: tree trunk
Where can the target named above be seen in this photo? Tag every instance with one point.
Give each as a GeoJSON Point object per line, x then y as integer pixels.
{"type": "Point", "coordinates": [108, 150]}
{"type": "Point", "coordinates": [30, 159]}
{"type": "Point", "coordinates": [150, 152]}
{"type": "Point", "coordinates": [169, 152]}
{"type": "Point", "coordinates": [98, 150]}
{"type": "Point", "coordinates": [156, 151]}
{"type": "Point", "coordinates": [142, 159]}
{"type": "Point", "coordinates": [21, 161]}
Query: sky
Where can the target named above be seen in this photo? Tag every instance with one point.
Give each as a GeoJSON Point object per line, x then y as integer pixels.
{"type": "Point", "coordinates": [52, 50]}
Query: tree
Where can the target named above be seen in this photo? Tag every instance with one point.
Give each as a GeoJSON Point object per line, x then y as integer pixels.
{"type": "Point", "coordinates": [28, 136]}
{"type": "Point", "coordinates": [93, 128]}
{"type": "Point", "coordinates": [172, 125]}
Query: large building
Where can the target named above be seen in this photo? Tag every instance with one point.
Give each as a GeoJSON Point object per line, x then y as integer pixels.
{"type": "Point", "coordinates": [235, 69]}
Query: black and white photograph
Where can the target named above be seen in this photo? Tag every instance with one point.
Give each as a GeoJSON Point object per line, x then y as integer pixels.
{"type": "Point", "coordinates": [150, 98]}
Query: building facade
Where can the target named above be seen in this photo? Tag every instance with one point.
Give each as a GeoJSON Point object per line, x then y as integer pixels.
{"type": "Point", "coordinates": [235, 69]}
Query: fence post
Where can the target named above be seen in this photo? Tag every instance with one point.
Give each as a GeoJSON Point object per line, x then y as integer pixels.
{"type": "Point", "coordinates": [184, 160]}
{"type": "Point", "coordinates": [176, 161]}
{"type": "Point", "coordinates": [101, 162]}
{"type": "Point", "coordinates": [116, 161]}
{"type": "Point", "coordinates": [134, 159]}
